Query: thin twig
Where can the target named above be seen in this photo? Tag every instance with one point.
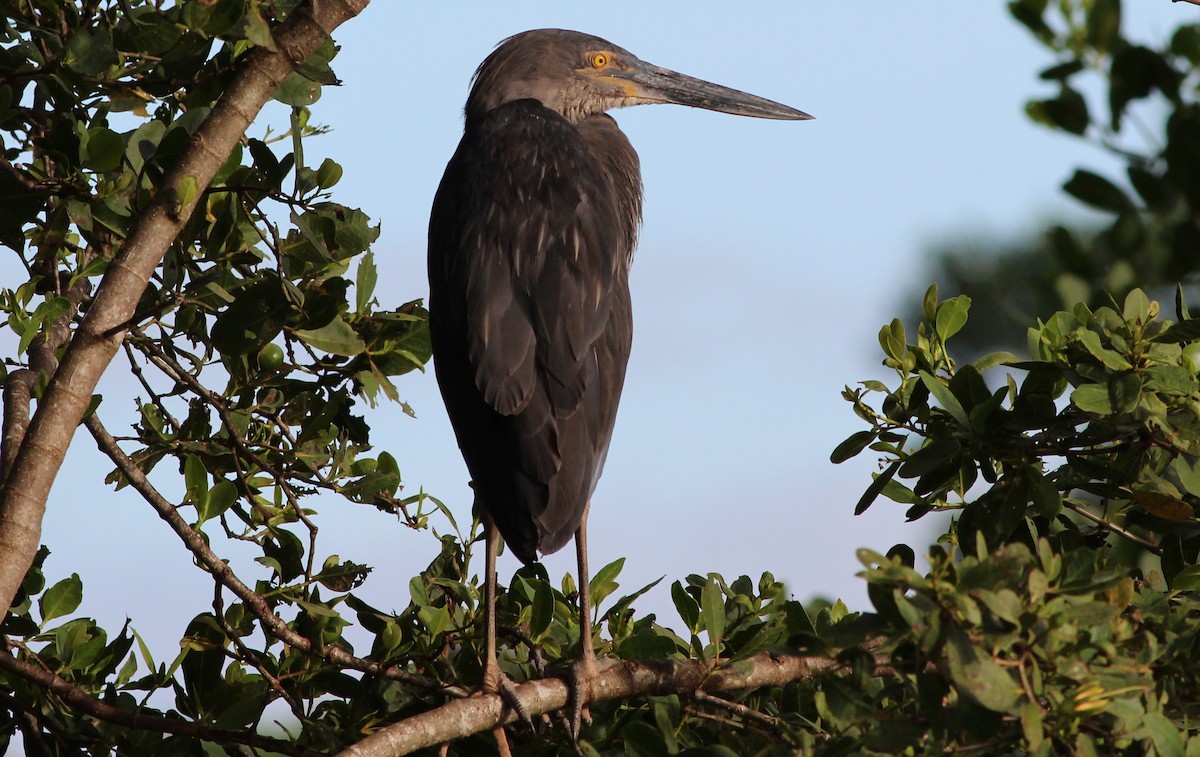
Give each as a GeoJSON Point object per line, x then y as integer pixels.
{"type": "Point", "coordinates": [255, 603]}
{"type": "Point", "coordinates": [741, 710]}
{"type": "Point", "coordinates": [1113, 527]}
{"type": "Point", "coordinates": [249, 656]}
{"type": "Point", "coordinates": [82, 701]}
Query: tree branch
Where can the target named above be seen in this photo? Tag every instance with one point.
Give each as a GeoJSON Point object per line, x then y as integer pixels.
{"type": "Point", "coordinates": [80, 700]}
{"type": "Point", "coordinates": [220, 570]}
{"type": "Point", "coordinates": [43, 361]}
{"type": "Point", "coordinates": [37, 462]}
{"type": "Point", "coordinates": [621, 680]}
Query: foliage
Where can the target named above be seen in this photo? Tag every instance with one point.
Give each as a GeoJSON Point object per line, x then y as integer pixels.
{"type": "Point", "coordinates": [1137, 102]}
{"type": "Point", "coordinates": [1057, 613]}
{"type": "Point", "coordinates": [1069, 622]}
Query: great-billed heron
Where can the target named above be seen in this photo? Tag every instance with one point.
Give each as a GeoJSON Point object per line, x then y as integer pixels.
{"type": "Point", "coordinates": [530, 241]}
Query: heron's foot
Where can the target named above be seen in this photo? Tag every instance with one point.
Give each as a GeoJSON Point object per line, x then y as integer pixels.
{"type": "Point", "coordinates": [583, 672]}
{"type": "Point", "coordinates": [495, 681]}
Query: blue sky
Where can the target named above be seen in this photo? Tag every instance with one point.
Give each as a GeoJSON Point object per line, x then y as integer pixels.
{"type": "Point", "coordinates": [771, 254]}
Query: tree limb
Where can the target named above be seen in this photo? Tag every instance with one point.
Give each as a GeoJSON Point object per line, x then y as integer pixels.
{"type": "Point", "coordinates": [80, 700]}
{"type": "Point", "coordinates": [43, 361]}
{"type": "Point", "coordinates": [620, 680]}
{"type": "Point", "coordinates": [36, 464]}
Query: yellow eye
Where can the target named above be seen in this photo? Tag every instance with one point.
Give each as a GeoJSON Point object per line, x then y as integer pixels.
{"type": "Point", "coordinates": [599, 60]}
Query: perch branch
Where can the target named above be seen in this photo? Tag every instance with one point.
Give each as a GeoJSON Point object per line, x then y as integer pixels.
{"type": "Point", "coordinates": [620, 680]}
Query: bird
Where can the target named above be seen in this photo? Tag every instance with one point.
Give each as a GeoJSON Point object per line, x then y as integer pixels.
{"type": "Point", "coordinates": [531, 237]}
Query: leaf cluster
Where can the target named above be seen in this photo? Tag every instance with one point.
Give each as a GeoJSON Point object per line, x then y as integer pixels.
{"type": "Point", "coordinates": [1137, 101]}
{"type": "Point", "coordinates": [1057, 614]}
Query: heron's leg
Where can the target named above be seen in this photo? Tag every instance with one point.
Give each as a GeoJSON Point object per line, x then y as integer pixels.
{"type": "Point", "coordinates": [494, 679]}
{"type": "Point", "coordinates": [491, 672]}
{"type": "Point", "coordinates": [584, 669]}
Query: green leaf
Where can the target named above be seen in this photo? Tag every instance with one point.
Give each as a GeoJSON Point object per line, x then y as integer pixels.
{"type": "Point", "coordinates": [1104, 24]}
{"type": "Point", "coordinates": [1068, 111]}
{"type": "Point", "coordinates": [1136, 307]}
{"type": "Point", "coordinates": [991, 360]}
{"type": "Point", "coordinates": [856, 443]}
{"type": "Point", "coordinates": [189, 190]}
{"type": "Point", "coordinates": [929, 302]}
{"type": "Point", "coordinates": [417, 590]}
{"type": "Point", "coordinates": [1031, 724]}
{"type": "Point", "coordinates": [1092, 398]}
{"type": "Point", "coordinates": [220, 498]}
{"type": "Point", "coordinates": [1110, 358]}
{"type": "Point", "coordinates": [891, 339]}
{"type": "Point", "coordinates": [329, 174]}
{"type": "Point", "coordinates": [645, 646]}
{"type": "Point", "coordinates": [952, 316]}
{"type": "Point", "coordinates": [604, 582]}
{"type": "Point", "coordinates": [543, 609]}
{"type": "Point", "coordinates": [1097, 191]}
{"type": "Point", "coordinates": [626, 601]}
{"type": "Point", "coordinates": [196, 479]}
{"type": "Point", "coordinates": [336, 337]}
{"type": "Point", "coordinates": [298, 90]}
{"type": "Point", "coordinates": [977, 675]}
{"type": "Point", "coordinates": [945, 398]}
{"type": "Point", "coordinates": [61, 599]}
{"type": "Point", "coordinates": [90, 51]}
{"type": "Point", "coordinates": [877, 485]}
{"type": "Point", "coordinates": [105, 149]}
{"type": "Point", "coordinates": [436, 619]}
{"type": "Point", "coordinates": [686, 606]}
{"type": "Point", "coordinates": [258, 30]}
{"type": "Point", "coordinates": [1187, 579]}
{"type": "Point", "coordinates": [712, 608]}
{"type": "Point", "coordinates": [1188, 473]}
{"type": "Point", "coordinates": [1124, 390]}
{"type": "Point", "coordinates": [364, 283]}
{"type": "Point", "coordinates": [1164, 734]}
{"type": "Point", "coordinates": [254, 319]}
{"type": "Point", "coordinates": [937, 453]}
{"type": "Point", "coordinates": [1046, 498]}
{"type": "Point", "coordinates": [1180, 333]}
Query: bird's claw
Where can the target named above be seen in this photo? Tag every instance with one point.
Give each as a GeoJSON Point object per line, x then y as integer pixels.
{"type": "Point", "coordinates": [495, 681]}
{"type": "Point", "coordinates": [583, 671]}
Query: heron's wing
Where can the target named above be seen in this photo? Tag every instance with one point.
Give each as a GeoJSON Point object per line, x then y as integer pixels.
{"type": "Point", "coordinates": [526, 247]}
{"type": "Point", "coordinates": [526, 227]}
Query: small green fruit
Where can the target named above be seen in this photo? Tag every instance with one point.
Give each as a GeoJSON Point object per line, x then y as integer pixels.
{"type": "Point", "coordinates": [270, 357]}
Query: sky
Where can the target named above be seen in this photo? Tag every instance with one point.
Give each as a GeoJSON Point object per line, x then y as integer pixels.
{"type": "Point", "coordinates": [771, 254]}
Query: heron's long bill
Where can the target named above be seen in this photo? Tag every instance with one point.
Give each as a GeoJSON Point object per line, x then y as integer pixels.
{"type": "Point", "coordinates": [663, 85]}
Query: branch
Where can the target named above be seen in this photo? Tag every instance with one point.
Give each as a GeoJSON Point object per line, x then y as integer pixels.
{"type": "Point", "coordinates": [220, 570]}
{"type": "Point", "coordinates": [1113, 527]}
{"type": "Point", "coordinates": [621, 680]}
{"type": "Point", "coordinates": [36, 464]}
{"type": "Point", "coordinates": [43, 361]}
{"type": "Point", "coordinates": [80, 700]}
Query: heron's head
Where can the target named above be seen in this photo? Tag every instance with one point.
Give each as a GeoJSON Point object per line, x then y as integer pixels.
{"type": "Point", "coordinates": [579, 75]}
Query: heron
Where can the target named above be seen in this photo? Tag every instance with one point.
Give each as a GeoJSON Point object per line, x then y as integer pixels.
{"type": "Point", "coordinates": [531, 237]}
